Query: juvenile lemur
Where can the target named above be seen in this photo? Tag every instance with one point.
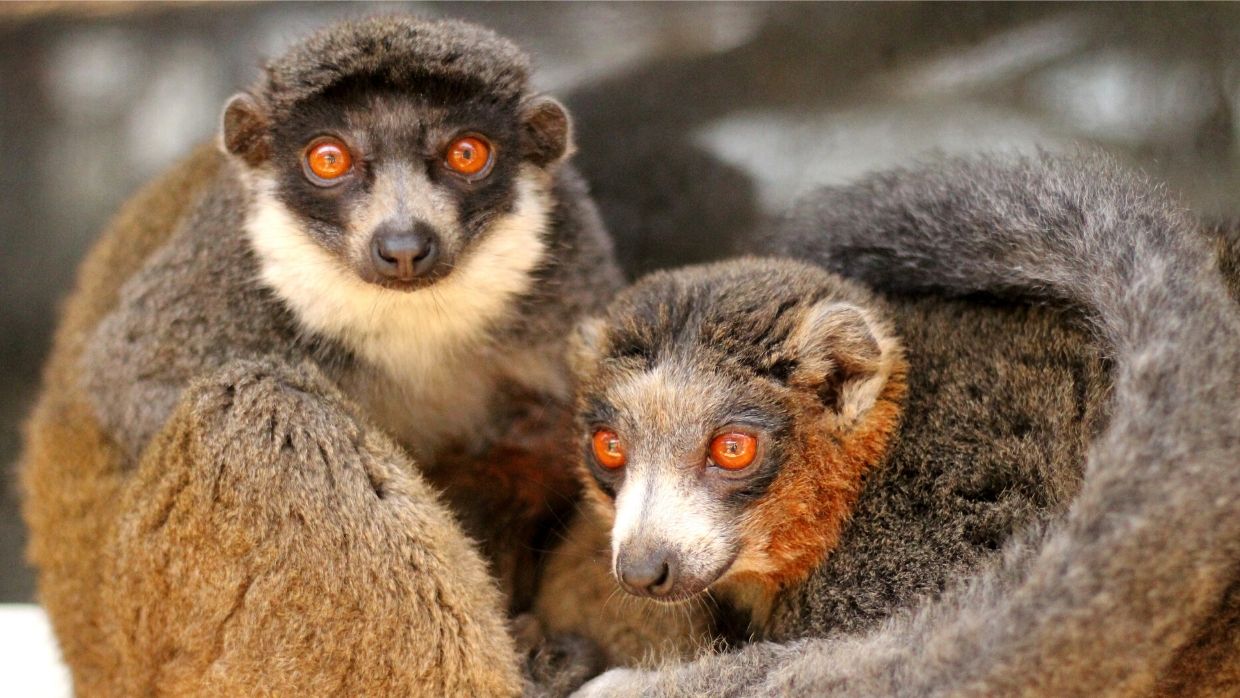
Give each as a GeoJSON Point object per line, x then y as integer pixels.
{"type": "Point", "coordinates": [383, 261]}
{"type": "Point", "coordinates": [730, 412]}
{"type": "Point", "coordinates": [992, 440]}
{"type": "Point", "coordinates": [1133, 589]}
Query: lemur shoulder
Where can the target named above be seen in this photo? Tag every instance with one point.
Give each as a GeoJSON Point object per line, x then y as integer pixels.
{"type": "Point", "coordinates": [387, 246]}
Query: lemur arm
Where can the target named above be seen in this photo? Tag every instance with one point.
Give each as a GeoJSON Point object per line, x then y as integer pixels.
{"type": "Point", "coordinates": [1102, 601]}
{"type": "Point", "coordinates": [273, 543]}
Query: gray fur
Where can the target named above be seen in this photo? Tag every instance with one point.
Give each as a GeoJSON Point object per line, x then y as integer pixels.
{"type": "Point", "coordinates": [1119, 595]}
{"type": "Point", "coordinates": [993, 440]}
{"type": "Point", "coordinates": [197, 305]}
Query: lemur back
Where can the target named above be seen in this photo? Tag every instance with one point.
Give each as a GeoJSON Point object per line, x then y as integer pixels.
{"type": "Point", "coordinates": [993, 440]}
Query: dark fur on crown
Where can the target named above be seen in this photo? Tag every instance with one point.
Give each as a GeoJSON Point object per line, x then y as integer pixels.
{"type": "Point", "coordinates": [400, 50]}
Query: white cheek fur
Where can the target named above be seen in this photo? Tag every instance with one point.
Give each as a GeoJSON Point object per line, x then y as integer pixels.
{"type": "Point", "coordinates": [406, 334]}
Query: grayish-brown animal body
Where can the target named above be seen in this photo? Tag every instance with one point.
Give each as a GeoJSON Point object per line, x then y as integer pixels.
{"type": "Point", "coordinates": [991, 440]}
{"type": "Point", "coordinates": [385, 261]}
{"type": "Point", "coordinates": [1131, 589]}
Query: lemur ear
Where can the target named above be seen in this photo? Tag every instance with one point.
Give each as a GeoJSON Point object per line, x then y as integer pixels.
{"type": "Point", "coordinates": [586, 345]}
{"type": "Point", "coordinates": [840, 356]}
{"type": "Point", "coordinates": [546, 131]}
{"type": "Point", "coordinates": [244, 129]}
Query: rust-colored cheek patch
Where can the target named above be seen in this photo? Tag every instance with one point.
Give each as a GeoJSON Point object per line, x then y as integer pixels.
{"type": "Point", "coordinates": [802, 514]}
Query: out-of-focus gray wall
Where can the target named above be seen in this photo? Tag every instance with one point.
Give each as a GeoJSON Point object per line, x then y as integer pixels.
{"type": "Point", "coordinates": [695, 122]}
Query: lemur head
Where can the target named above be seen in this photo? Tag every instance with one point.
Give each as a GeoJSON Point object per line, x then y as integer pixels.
{"type": "Point", "coordinates": [727, 414]}
{"type": "Point", "coordinates": [399, 153]}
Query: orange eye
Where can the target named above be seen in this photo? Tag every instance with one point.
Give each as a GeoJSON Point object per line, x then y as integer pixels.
{"type": "Point", "coordinates": [607, 449]}
{"type": "Point", "coordinates": [734, 450]}
{"type": "Point", "coordinates": [468, 155]}
{"type": "Point", "coordinates": [328, 158]}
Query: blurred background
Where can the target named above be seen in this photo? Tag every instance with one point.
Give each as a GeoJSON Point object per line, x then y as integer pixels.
{"type": "Point", "coordinates": [695, 122]}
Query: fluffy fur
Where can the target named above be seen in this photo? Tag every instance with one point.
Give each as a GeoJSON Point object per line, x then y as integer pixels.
{"type": "Point", "coordinates": [799, 358]}
{"type": "Point", "coordinates": [749, 336]}
{"type": "Point", "coordinates": [391, 328]}
{"type": "Point", "coordinates": [1133, 586]}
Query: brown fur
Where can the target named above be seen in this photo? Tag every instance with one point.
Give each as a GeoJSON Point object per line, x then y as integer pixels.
{"type": "Point", "coordinates": [64, 442]}
{"type": "Point", "coordinates": [802, 514]}
{"type": "Point", "coordinates": [218, 480]}
{"type": "Point", "coordinates": [1209, 665]}
{"type": "Point", "coordinates": [330, 571]}
{"type": "Point", "coordinates": [516, 494]}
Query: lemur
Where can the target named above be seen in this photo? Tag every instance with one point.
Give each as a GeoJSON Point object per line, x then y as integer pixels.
{"type": "Point", "coordinates": [976, 456]}
{"type": "Point", "coordinates": [731, 411]}
{"type": "Point", "coordinates": [1132, 589]}
{"type": "Point", "coordinates": [382, 260]}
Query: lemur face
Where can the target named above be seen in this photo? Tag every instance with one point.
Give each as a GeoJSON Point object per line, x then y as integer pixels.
{"type": "Point", "coordinates": [402, 186]}
{"type": "Point", "coordinates": [726, 414]}
{"type": "Point", "coordinates": [682, 449]}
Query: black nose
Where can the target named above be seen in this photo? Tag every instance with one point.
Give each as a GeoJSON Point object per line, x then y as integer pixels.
{"type": "Point", "coordinates": [404, 254]}
{"type": "Point", "coordinates": [653, 573]}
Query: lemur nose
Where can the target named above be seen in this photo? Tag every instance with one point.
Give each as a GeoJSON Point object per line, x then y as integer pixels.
{"type": "Point", "coordinates": [404, 254]}
{"type": "Point", "coordinates": [652, 574]}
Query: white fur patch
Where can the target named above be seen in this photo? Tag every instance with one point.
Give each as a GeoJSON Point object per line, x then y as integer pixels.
{"type": "Point", "coordinates": [658, 506]}
{"type": "Point", "coordinates": [424, 339]}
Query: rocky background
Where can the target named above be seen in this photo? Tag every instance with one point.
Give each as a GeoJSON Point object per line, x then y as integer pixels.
{"type": "Point", "coordinates": [695, 122]}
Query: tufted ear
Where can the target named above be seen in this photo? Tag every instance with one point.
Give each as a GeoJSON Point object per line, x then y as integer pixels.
{"type": "Point", "coordinates": [244, 129]}
{"type": "Point", "coordinates": [839, 354]}
{"type": "Point", "coordinates": [546, 131]}
{"type": "Point", "coordinates": [585, 346]}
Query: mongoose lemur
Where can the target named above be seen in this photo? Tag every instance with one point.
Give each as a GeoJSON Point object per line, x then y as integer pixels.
{"type": "Point", "coordinates": [382, 261]}
{"type": "Point", "coordinates": [1132, 589]}
{"type": "Point", "coordinates": [730, 412]}
{"type": "Point", "coordinates": [734, 337]}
